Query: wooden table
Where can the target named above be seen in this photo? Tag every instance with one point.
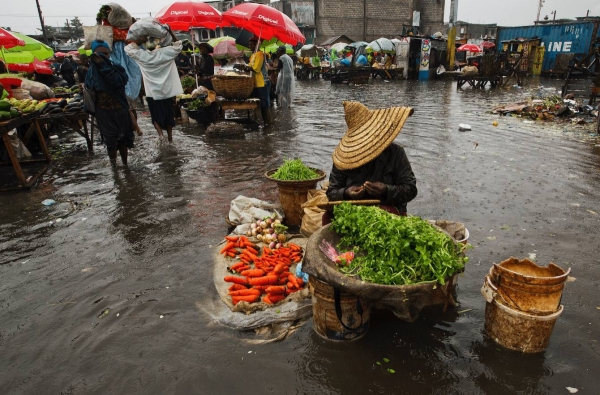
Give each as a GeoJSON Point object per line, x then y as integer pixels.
{"type": "Point", "coordinates": [252, 107]}
{"type": "Point", "coordinates": [5, 127]}
{"type": "Point", "coordinates": [477, 81]}
{"type": "Point", "coordinates": [76, 121]}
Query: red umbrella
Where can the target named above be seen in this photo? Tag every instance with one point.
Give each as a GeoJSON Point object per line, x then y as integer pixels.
{"type": "Point", "coordinates": [264, 21]}
{"type": "Point", "coordinates": [184, 15]}
{"type": "Point", "coordinates": [7, 40]}
{"type": "Point", "coordinates": [487, 44]}
{"type": "Point", "coordinates": [37, 66]}
{"type": "Point", "coordinates": [468, 48]}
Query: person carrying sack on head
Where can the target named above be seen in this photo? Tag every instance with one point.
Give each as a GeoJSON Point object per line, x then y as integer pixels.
{"type": "Point", "coordinates": [111, 108]}
{"type": "Point", "coordinates": [367, 164]}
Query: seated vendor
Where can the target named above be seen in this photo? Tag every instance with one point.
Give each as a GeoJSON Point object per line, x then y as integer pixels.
{"type": "Point", "coordinates": [367, 164]}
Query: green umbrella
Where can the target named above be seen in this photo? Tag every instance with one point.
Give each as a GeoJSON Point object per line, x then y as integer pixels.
{"type": "Point", "coordinates": [272, 48]}
{"type": "Point", "coordinates": [82, 50]}
{"type": "Point", "coordinates": [17, 57]}
{"type": "Point", "coordinates": [39, 50]}
{"type": "Point", "coordinates": [213, 43]}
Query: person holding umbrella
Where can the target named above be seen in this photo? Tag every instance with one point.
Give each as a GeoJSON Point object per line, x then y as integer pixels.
{"type": "Point", "coordinates": [262, 84]}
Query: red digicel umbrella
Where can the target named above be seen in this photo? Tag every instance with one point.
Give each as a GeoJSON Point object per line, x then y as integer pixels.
{"type": "Point", "coordinates": [184, 15]}
{"type": "Point", "coordinates": [7, 40]}
{"type": "Point", "coordinates": [468, 48]}
{"type": "Point", "coordinates": [265, 22]}
{"type": "Point", "coordinates": [487, 44]}
{"type": "Point", "coordinates": [37, 65]}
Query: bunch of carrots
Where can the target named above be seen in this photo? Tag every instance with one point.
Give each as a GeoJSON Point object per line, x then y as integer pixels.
{"type": "Point", "coordinates": [265, 276]}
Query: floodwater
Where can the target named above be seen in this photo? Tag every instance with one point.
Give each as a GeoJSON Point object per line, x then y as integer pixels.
{"type": "Point", "coordinates": [110, 291]}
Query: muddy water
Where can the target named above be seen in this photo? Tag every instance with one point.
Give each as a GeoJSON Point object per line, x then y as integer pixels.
{"type": "Point", "coordinates": [110, 290]}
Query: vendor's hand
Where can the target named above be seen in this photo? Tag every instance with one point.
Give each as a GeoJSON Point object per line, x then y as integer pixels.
{"type": "Point", "coordinates": [96, 58]}
{"type": "Point", "coordinates": [376, 189]}
{"type": "Point", "coordinates": [354, 193]}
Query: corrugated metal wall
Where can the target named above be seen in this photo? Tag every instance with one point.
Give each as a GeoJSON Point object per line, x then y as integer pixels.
{"type": "Point", "coordinates": [574, 37]}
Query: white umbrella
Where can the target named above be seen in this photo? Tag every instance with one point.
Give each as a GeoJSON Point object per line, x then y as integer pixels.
{"type": "Point", "coordinates": [382, 45]}
{"type": "Point", "coordinates": [338, 46]}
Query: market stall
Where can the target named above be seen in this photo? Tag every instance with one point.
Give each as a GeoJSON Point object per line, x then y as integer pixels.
{"type": "Point", "coordinates": [6, 127]}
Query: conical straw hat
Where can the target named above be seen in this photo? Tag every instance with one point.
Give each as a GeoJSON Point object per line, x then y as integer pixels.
{"type": "Point", "coordinates": [369, 133]}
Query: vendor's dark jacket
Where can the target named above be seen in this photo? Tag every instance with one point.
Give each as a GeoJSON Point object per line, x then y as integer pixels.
{"type": "Point", "coordinates": [391, 168]}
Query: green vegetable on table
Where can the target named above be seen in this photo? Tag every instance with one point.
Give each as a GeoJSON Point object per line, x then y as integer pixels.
{"type": "Point", "coordinates": [294, 170]}
{"type": "Point", "coordinates": [196, 104]}
{"type": "Point", "coordinates": [188, 82]}
{"type": "Point", "coordinates": [395, 250]}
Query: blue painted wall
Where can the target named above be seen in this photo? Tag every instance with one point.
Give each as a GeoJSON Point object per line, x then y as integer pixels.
{"type": "Point", "coordinates": [574, 37]}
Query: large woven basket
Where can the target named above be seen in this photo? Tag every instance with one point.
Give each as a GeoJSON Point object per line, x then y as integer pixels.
{"type": "Point", "coordinates": [233, 87]}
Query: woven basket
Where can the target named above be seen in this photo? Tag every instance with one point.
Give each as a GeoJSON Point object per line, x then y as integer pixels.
{"type": "Point", "coordinates": [233, 87]}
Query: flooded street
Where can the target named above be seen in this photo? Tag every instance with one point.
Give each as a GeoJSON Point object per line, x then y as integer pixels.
{"type": "Point", "coordinates": [110, 291]}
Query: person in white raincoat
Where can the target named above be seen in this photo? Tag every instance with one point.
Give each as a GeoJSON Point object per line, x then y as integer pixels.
{"type": "Point", "coordinates": [161, 80]}
{"type": "Point", "coordinates": [285, 79]}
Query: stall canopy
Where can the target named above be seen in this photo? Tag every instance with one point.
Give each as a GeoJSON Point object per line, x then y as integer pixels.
{"type": "Point", "coordinates": [265, 22]}
{"type": "Point", "coordinates": [184, 15]}
{"type": "Point", "coordinates": [382, 45]}
{"type": "Point", "coordinates": [39, 50]}
{"type": "Point", "coordinates": [35, 66]}
{"type": "Point", "coordinates": [468, 48]}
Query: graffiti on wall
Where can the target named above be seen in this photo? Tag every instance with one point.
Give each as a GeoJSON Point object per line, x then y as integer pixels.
{"type": "Point", "coordinates": [425, 53]}
{"type": "Point", "coordinates": [303, 12]}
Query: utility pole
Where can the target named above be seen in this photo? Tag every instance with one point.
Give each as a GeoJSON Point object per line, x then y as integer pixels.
{"type": "Point", "coordinates": [451, 48]}
{"type": "Point", "coordinates": [42, 22]}
{"type": "Point", "coordinates": [541, 3]}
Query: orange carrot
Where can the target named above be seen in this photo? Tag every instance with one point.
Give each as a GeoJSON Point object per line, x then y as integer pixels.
{"type": "Point", "coordinates": [236, 280]}
{"type": "Point", "coordinates": [273, 289]}
{"type": "Point", "coordinates": [267, 250]}
{"type": "Point", "coordinates": [232, 238]}
{"type": "Point", "coordinates": [227, 247]}
{"type": "Point", "coordinates": [241, 269]}
{"type": "Point", "coordinates": [245, 292]}
{"type": "Point", "coordinates": [279, 268]}
{"type": "Point", "coordinates": [295, 280]}
{"type": "Point", "coordinates": [261, 288]}
{"type": "Point", "coordinates": [252, 250]}
{"type": "Point", "coordinates": [265, 280]}
{"type": "Point", "coordinates": [290, 285]}
{"type": "Point", "coordinates": [266, 299]}
{"type": "Point", "coordinates": [276, 298]}
{"type": "Point", "coordinates": [246, 298]}
{"type": "Point", "coordinates": [236, 265]}
{"type": "Point", "coordinates": [236, 287]}
{"type": "Point", "coordinates": [253, 273]}
{"type": "Point", "coordinates": [230, 253]}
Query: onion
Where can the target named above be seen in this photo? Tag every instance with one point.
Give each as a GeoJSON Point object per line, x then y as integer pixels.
{"type": "Point", "coordinates": [249, 233]}
{"type": "Point", "coordinates": [278, 245]}
{"type": "Point", "coordinates": [272, 245]}
{"type": "Point", "coordinates": [271, 230]}
{"type": "Point", "coordinates": [258, 229]}
{"type": "Point", "coordinates": [263, 224]}
{"type": "Point", "coordinates": [268, 221]}
{"type": "Point", "coordinates": [253, 232]}
{"type": "Point", "coordinates": [252, 225]}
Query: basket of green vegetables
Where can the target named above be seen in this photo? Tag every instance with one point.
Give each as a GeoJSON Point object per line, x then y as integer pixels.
{"type": "Point", "coordinates": [294, 179]}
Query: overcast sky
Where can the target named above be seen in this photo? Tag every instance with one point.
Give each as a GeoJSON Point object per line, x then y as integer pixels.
{"type": "Point", "coordinates": [21, 15]}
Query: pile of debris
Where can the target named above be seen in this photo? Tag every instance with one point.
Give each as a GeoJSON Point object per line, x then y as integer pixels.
{"type": "Point", "coordinates": [551, 108]}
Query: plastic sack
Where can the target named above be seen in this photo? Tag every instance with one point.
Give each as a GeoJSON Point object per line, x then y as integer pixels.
{"type": "Point", "coordinates": [149, 27]}
{"type": "Point", "coordinates": [119, 17]}
{"type": "Point", "coordinates": [20, 150]}
{"type": "Point", "coordinates": [37, 90]}
{"type": "Point", "coordinates": [21, 94]}
{"type": "Point", "coordinates": [312, 218]}
{"type": "Point", "coordinates": [244, 210]}
{"type": "Point", "coordinates": [97, 32]}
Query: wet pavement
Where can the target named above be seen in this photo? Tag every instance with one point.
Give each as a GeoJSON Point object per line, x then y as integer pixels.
{"type": "Point", "coordinates": [110, 290]}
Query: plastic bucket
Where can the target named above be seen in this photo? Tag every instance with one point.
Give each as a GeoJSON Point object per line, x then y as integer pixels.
{"type": "Point", "coordinates": [337, 315]}
{"type": "Point", "coordinates": [293, 194]}
{"type": "Point", "coordinates": [528, 272]}
{"type": "Point", "coordinates": [525, 286]}
{"type": "Point", "coordinates": [518, 330]}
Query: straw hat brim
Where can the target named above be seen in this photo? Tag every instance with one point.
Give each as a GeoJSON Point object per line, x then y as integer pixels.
{"type": "Point", "coordinates": [369, 133]}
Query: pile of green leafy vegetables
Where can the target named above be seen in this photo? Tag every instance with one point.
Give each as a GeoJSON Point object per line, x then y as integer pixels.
{"type": "Point", "coordinates": [395, 250]}
{"type": "Point", "coordinates": [294, 170]}
{"type": "Point", "coordinates": [196, 104]}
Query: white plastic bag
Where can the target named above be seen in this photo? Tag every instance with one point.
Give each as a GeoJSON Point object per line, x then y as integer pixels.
{"type": "Point", "coordinates": [20, 150]}
{"type": "Point", "coordinates": [244, 210]}
{"type": "Point", "coordinates": [149, 27]}
{"type": "Point", "coordinates": [37, 90]}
